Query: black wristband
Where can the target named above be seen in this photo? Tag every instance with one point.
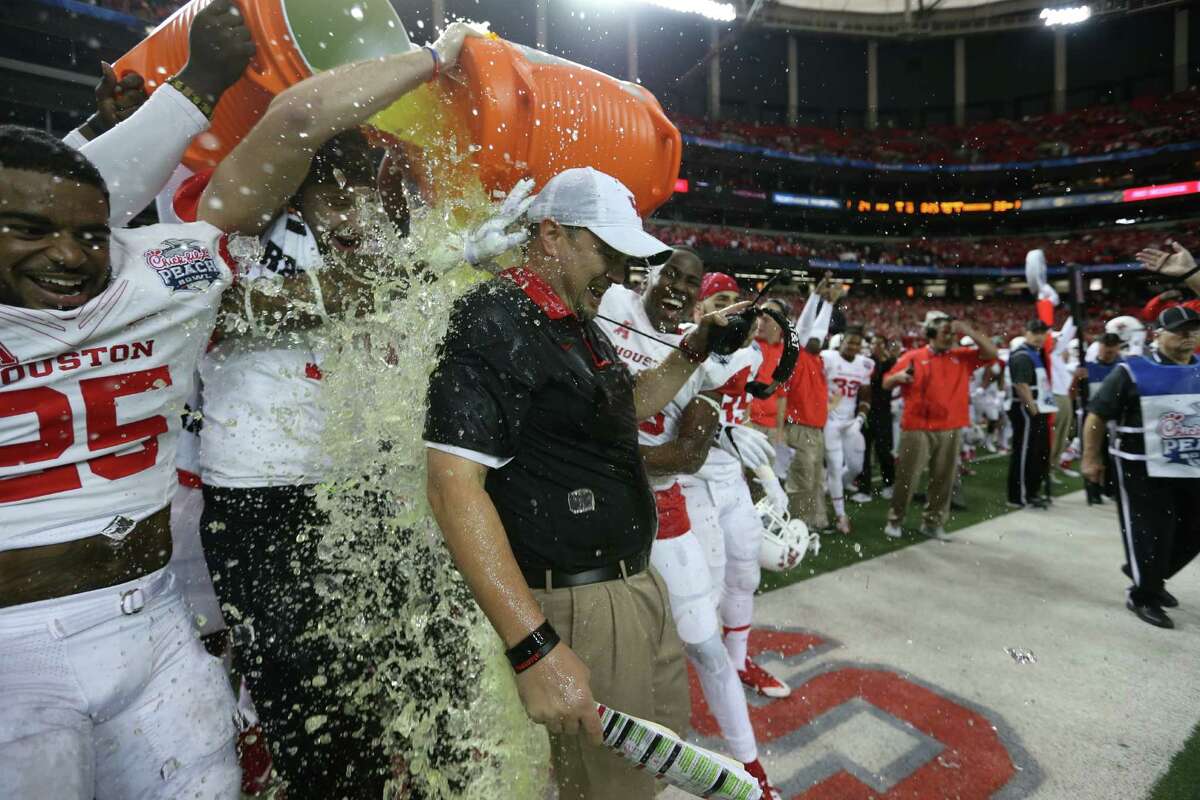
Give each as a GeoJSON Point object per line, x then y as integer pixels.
{"type": "Point", "coordinates": [533, 648]}
{"type": "Point", "coordinates": [1189, 274]}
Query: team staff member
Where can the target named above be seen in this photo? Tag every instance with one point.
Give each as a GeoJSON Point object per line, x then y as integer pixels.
{"type": "Point", "coordinates": [764, 411]}
{"type": "Point", "coordinates": [1102, 358]}
{"type": "Point", "coordinates": [1033, 402]}
{"type": "Point", "coordinates": [878, 430]}
{"type": "Point", "coordinates": [537, 482]}
{"type": "Point", "coordinates": [935, 383]}
{"type": "Point", "coordinates": [802, 416]}
{"type": "Point", "coordinates": [1155, 402]}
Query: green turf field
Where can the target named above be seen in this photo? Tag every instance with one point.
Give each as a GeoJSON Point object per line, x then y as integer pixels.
{"type": "Point", "coordinates": [1182, 781]}
{"type": "Point", "coordinates": [985, 495]}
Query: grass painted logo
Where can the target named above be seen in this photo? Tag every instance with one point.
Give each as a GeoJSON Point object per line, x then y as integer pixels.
{"type": "Point", "coordinates": [1180, 434]}
{"type": "Point", "coordinates": [183, 264]}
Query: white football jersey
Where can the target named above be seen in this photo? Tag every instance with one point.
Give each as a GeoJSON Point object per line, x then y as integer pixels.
{"type": "Point", "coordinates": [730, 374]}
{"type": "Point", "coordinates": [263, 418]}
{"type": "Point", "coordinates": [844, 379]}
{"type": "Point", "coordinates": [91, 399]}
{"type": "Point", "coordinates": [640, 353]}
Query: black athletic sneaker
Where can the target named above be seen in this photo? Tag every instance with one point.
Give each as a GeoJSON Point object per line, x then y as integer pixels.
{"type": "Point", "coordinates": [1153, 615]}
{"type": "Point", "coordinates": [1165, 598]}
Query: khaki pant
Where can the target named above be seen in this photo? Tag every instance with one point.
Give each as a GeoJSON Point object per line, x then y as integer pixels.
{"type": "Point", "coordinates": [1063, 419]}
{"type": "Point", "coordinates": [806, 475]}
{"type": "Point", "coordinates": [624, 632]}
{"type": "Point", "coordinates": [939, 450]}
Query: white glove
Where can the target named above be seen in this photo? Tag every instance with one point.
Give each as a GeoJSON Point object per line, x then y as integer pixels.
{"type": "Point", "coordinates": [747, 445]}
{"type": "Point", "coordinates": [775, 494]}
{"type": "Point", "coordinates": [857, 425]}
{"type": "Point", "coordinates": [450, 43]}
{"type": "Point", "coordinates": [490, 239]}
{"type": "Point", "coordinates": [1047, 293]}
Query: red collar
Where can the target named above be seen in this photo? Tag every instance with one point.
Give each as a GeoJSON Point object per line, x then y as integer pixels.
{"type": "Point", "coordinates": [540, 292]}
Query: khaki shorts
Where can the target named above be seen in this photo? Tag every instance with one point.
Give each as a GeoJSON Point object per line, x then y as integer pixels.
{"type": "Point", "coordinates": [624, 632]}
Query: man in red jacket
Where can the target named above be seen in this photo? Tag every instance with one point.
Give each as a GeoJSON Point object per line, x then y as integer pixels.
{"type": "Point", "coordinates": [801, 417]}
{"type": "Point", "coordinates": [935, 383]}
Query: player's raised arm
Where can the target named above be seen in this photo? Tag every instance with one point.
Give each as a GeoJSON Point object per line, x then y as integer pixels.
{"type": "Point", "coordinates": [138, 154]}
{"type": "Point", "coordinates": [268, 166]}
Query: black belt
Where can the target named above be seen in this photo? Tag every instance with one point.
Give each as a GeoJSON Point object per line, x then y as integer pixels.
{"type": "Point", "coordinates": [554, 579]}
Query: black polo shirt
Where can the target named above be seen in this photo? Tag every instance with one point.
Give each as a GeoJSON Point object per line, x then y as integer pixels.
{"type": "Point", "coordinates": [524, 386]}
{"type": "Point", "coordinates": [881, 399]}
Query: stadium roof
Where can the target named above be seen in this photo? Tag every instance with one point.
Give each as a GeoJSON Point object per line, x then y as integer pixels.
{"type": "Point", "coordinates": [919, 18]}
{"type": "Point", "coordinates": [879, 6]}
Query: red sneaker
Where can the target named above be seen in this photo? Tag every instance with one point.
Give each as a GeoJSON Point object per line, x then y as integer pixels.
{"type": "Point", "coordinates": [255, 759]}
{"type": "Point", "coordinates": [756, 678]}
{"type": "Point", "coordinates": [769, 792]}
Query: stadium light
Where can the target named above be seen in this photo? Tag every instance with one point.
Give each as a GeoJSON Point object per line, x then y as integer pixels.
{"type": "Point", "coordinates": [721, 12]}
{"type": "Point", "coordinates": [1072, 15]}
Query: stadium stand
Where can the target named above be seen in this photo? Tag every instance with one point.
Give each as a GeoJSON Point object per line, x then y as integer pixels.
{"type": "Point", "coordinates": [1101, 246]}
{"type": "Point", "coordinates": [1148, 121]}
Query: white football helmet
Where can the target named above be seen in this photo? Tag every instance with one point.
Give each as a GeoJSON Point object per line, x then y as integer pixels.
{"type": "Point", "coordinates": [785, 540]}
{"type": "Point", "coordinates": [1131, 331]}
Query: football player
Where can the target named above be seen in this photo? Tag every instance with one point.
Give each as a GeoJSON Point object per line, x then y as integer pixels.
{"type": "Point", "coordinates": [847, 371]}
{"type": "Point", "coordinates": [108, 693]}
{"type": "Point", "coordinates": [674, 443]}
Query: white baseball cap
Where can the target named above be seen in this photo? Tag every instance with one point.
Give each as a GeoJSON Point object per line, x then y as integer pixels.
{"type": "Point", "coordinates": [587, 198]}
{"type": "Point", "coordinates": [934, 317]}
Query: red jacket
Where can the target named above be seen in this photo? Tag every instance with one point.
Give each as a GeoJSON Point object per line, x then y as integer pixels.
{"type": "Point", "coordinates": [762, 412]}
{"type": "Point", "coordinates": [807, 392]}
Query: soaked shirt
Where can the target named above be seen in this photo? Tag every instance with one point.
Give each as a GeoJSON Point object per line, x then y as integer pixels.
{"type": "Point", "coordinates": [542, 398]}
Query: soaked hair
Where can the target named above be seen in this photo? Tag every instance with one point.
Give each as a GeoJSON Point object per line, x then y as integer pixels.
{"type": "Point", "coordinates": [349, 153]}
{"type": "Point", "coordinates": [37, 151]}
{"type": "Point", "coordinates": [853, 330]}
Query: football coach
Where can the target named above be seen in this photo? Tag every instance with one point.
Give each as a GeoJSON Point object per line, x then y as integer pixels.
{"type": "Point", "coordinates": [535, 478]}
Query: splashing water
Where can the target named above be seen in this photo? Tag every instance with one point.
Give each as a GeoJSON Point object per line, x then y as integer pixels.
{"type": "Point", "coordinates": [391, 596]}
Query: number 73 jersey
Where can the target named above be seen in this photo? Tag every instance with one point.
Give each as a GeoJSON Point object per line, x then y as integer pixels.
{"type": "Point", "coordinates": [91, 398]}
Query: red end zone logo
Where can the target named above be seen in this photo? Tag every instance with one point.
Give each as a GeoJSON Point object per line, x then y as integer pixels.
{"type": "Point", "coordinates": [864, 732]}
{"type": "Point", "coordinates": [183, 264]}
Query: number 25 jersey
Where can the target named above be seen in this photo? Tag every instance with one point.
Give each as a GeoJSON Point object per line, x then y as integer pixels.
{"type": "Point", "coordinates": [91, 398]}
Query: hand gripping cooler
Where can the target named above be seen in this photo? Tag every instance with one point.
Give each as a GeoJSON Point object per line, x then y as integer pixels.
{"type": "Point", "coordinates": [293, 39]}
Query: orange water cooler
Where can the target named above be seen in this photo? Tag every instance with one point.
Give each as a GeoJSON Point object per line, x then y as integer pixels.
{"type": "Point", "coordinates": [524, 112]}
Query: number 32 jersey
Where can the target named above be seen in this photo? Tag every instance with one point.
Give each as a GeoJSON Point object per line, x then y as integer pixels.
{"type": "Point", "coordinates": [845, 378]}
{"type": "Point", "coordinates": [91, 398]}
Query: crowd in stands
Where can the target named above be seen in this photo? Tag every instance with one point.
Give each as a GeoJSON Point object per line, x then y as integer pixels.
{"type": "Point", "coordinates": [149, 10]}
{"type": "Point", "coordinates": [1102, 246]}
{"type": "Point", "coordinates": [1148, 121]}
{"type": "Point", "coordinates": [900, 318]}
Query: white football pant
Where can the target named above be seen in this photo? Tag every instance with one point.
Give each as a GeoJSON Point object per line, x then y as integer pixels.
{"type": "Point", "coordinates": [730, 531]}
{"type": "Point", "coordinates": [845, 448]}
{"type": "Point", "coordinates": [681, 562]}
{"type": "Point", "coordinates": [109, 695]}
